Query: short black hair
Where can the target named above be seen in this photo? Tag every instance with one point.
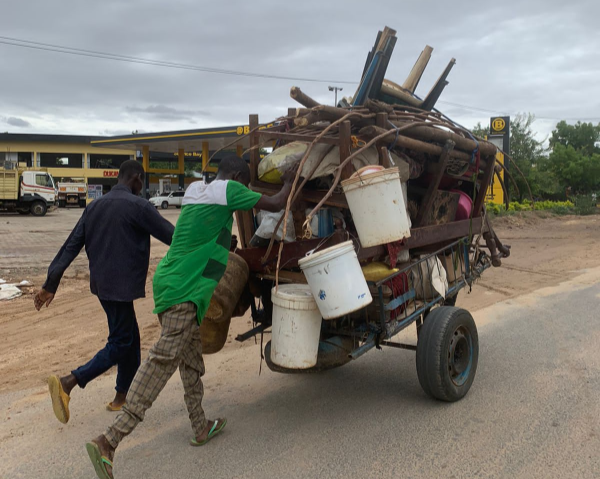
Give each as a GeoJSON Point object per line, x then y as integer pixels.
{"type": "Point", "coordinates": [129, 169]}
{"type": "Point", "coordinates": [234, 164]}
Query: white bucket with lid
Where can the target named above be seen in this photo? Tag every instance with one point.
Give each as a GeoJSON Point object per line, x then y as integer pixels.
{"type": "Point", "coordinates": [296, 327]}
{"type": "Point", "coordinates": [377, 206]}
{"type": "Point", "coordinates": [336, 280]}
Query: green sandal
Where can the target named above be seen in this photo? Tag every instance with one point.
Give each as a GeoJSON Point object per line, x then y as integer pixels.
{"type": "Point", "coordinates": [99, 461]}
{"type": "Point", "coordinates": [214, 430]}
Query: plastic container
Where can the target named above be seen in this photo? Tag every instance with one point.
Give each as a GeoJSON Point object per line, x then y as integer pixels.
{"type": "Point", "coordinates": [336, 280]}
{"type": "Point", "coordinates": [296, 327]}
{"type": "Point", "coordinates": [465, 205]}
{"type": "Point", "coordinates": [213, 335]}
{"type": "Point", "coordinates": [377, 206]}
{"type": "Point", "coordinates": [229, 290]}
{"type": "Point", "coordinates": [325, 222]}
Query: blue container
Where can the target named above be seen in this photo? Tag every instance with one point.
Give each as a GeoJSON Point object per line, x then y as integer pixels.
{"type": "Point", "coordinates": [326, 226]}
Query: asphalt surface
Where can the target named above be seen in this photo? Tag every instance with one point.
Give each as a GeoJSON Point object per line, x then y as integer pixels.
{"type": "Point", "coordinates": [533, 411]}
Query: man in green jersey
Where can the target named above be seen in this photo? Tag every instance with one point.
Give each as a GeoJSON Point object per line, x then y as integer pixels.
{"type": "Point", "coordinates": [183, 285]}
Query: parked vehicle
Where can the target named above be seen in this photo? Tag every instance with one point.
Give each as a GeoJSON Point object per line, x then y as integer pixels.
{"type": "Point", "coordinates": [26, 191]}
{"type": "Point", "coordinates": [72, 194]}
{"type": "Point", "coordinates": [167, 199]}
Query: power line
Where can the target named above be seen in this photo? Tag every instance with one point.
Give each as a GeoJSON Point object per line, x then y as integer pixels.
{"type": "Point", "coordinates": [145, 61]}
{"type": "Point", "coordinates": [183, 66]}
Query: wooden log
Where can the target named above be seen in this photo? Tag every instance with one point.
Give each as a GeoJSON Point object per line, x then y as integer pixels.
{"type": "Point", "coordinates": [415, 74]}
{"type": "Point", "coordinates": [434, 184]}
{"type": "Point", "coordinates": [303, 98]}
{"type": "Point", "coordinates": [411, 143]}
{"type": "Point", "coordinates": [345, 147]}
{"type": "Point", "coordinates": [381, 120]}
{"type": "Point", "coordinates": [396, 91]}
{"type": "Point", "coordinates": [431, 133]}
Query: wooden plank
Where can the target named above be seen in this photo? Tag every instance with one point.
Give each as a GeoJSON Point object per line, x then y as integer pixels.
{"type": "Point", "coordinates": [429, 235]}
{"type": "Point", "coordinates": [420, 238]}
{"type": "Point", "coordinates": [437, 89]}
{"type": "Point", "coordinates": [415, 74]}
{"type": "Point", "coordinates": [434, 184]}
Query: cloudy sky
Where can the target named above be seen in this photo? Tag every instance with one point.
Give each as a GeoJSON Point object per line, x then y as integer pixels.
{"type": "Point", "coordinates": [539, 56]}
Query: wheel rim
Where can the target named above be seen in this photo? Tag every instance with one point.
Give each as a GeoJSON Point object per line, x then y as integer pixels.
{"type": "Point", "coordinates": [460, 356]}
{"type": "Point", "coordinates": [38, 209]}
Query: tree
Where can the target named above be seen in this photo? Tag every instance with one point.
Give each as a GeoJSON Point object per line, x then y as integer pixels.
{"type": "Point", "coordinates": [530, 156]}
{"type": "Point", "coordinates": [576, 169]}
{"type": "Point", "coordinates": [582, 137]}
{"type": "Point", "coordinates": [480, 131]}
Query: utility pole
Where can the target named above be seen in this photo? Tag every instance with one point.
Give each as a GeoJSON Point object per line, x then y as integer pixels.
{"type": "Point", "coordinates": [335, 89]}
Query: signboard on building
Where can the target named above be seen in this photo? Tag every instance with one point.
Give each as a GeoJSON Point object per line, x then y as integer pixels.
{"type": "Point", "coordinates": [94, 192]}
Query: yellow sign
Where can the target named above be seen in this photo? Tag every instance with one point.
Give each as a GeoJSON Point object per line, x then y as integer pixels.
{"type": "Point", "coordinates": [495, 193]}
{"type": "Point", "coordinates": [498, 124]}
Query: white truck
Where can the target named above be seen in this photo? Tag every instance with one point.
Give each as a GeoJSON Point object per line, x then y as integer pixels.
{"type": "Point", "coordinates": [72, 194]}
{"type": "Point", "coordinates": [26, 191]}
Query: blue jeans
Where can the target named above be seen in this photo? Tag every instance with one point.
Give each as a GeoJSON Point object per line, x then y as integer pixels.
{"type": "Point", "coordinates": [122, 348]}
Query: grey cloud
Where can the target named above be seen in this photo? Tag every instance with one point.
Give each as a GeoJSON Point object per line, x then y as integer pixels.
{"type": "Point", "coordinates": [166, 113]}
{"type": "Point", "coordinates": [537, 56]}
{"type": "Point", "coordinates": [17, 122]}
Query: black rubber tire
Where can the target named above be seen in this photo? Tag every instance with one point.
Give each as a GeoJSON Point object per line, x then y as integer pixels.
{"type": "Point", "coordinates": [62, 203]}
{"type": "Point", "coordinates": [164, 205]}
{"type": "Point", "coordinates": [23, 212]}
{"type": "Point", "coordinates": [82, 204]}
{"type": "Point", "coordinates": [447, 353]}
{"type": "Point", "coordinates": [177, 206]}
{"type": "Point", "coordinates": [38, 208]}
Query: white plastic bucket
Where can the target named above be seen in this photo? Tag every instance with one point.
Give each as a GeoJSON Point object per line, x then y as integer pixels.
{"type": "Point", "coordinates": [377, 206]}
{"type": "Point", "coordinates": [336, 280]}
{"type": "Point", "coordinates": [296, 327]}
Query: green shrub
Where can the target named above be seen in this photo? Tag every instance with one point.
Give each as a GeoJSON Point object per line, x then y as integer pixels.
{"type": "Point", "coordinates": [584, 205]}
{"type": "Point", "coordinates": [556, 207]}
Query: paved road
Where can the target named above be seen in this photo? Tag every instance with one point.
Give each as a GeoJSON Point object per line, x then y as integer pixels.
{"type": "Point", "coordinates": [30, 243]}
{"type": "Point", "coordinates": [533, 412]}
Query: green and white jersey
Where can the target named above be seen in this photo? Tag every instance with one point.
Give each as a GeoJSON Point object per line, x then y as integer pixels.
{"type": "Point", "coordinates": [198, 255]}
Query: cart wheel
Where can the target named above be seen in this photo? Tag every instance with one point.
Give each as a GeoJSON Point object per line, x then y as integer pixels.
{"type": "Point", "coordinates": [447, 353]}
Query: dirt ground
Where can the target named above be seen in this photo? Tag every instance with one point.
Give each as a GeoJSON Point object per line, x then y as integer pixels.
{"type": "Point", "coordinates": [545, 252]}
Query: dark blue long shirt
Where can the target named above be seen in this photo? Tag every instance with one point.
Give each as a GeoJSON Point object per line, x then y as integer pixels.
{"type": "Point", "coordinates": [115, 230]}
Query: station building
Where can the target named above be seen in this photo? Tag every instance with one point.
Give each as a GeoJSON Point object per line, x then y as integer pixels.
{"type": "Point", "coordinates": [171, 159]}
